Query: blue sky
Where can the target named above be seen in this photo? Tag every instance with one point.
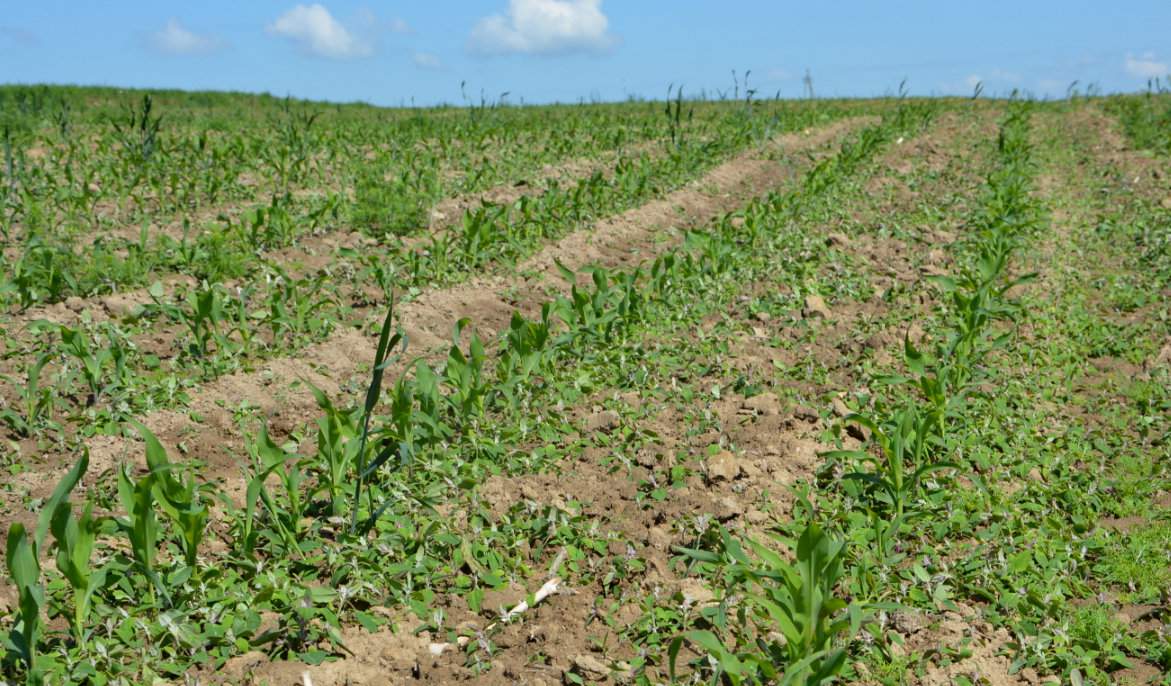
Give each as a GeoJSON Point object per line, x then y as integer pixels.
{"type": "Point", "coordinates": [542, 50]}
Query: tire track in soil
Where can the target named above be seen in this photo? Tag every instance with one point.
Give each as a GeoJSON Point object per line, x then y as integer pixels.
{"type": "Point", "coordinates": [773, 444]}
{"type": "Point", "coordinates": [488, 300]}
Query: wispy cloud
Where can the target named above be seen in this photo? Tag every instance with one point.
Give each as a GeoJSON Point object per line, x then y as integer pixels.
{"type": "Point", "coordinates": [544, 27]}
{"type": "Point", "coordinates": [1146, 66]}
{"type": "Point", "coordinates": [427, 60]}
{"type": "Point", "coordinates": [176, 39]}
{"type": "Point", "coordinates": [10, 35]}
{"type": "Point", "coordinates": [316, 32]}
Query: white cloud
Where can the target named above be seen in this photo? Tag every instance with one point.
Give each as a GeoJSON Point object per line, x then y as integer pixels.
{"type": "Point", "coordinates": [427, 60]}
{"type": "Point", "coordinates": [1146, 66]}
{"type": "Point", "coordinates": [972, 81]}
{"type": "Point", "coordinates": [315, 30]}
{"type": "Point", "coordinates": [176, 39]}
{"type": "Point", "coordinates": [544, 27]}
{"type": "Point", "coordinates": [397, 25]}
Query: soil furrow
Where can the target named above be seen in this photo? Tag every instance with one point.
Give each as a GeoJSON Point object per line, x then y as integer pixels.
{"type": "Point", "coordinates": [274, 390]}
{"type": "Point", "coordinates": [771, 444]}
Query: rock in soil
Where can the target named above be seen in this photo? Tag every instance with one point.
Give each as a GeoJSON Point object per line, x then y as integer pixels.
{"type": "Point", "coordinates": [723, 466]}
{"type": "Point", "coordinates": [815, 308]}
{"type": "Point", "coordinates": [590, 666]}
{"type": "Point", "coordinates": [604, 421]}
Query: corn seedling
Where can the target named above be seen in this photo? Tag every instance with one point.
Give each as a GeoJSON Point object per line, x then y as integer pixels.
{"type": "Point", "coordinates": [37, 401]}
{"type": "Point", "coordinates": [179, 497]}
{"type": "Point", "coordinates": [141, 526]}
{"type": "Point", "coordinates": [387, 341]}
{"type": "Point", "coordinates": [797, 600]}
{"type": "Point", "coordinates": [23, 561]}
{"type": "Point", "coordinates": [75, 537]}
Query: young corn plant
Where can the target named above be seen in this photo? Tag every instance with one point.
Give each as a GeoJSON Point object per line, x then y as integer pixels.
{"type": "Point", "coordinates": [141, 526]}
{"type": "Point", "coordinates": [203, 314]}
{"type": "Point", "coordinates": [75, 537]}
{"type": "Point", "coordinates": [139, 134]}
{"type": "Point", "coordinates": [179, 496]}
{"type": "Point", "coordinates": [76, 343]}
{"type": "Point", "coordinates": [796, 600]}
{"type": "Point", "coordinates": [286, 518]}
{"type": "Point", "coordinates": [464, 375]}
{"type": "Point", "coordinates": [37, 401]}
{"type": "Point", "coordinates": [387, 341]}
{"type": "Point", "coordinates": [525, 351]}
{"type": "Point", "coordinates": [22, 558]}
{"type": "Point", "coordinates": [907, 445]}
{"type": "Point", "coordinates": [337, 449]}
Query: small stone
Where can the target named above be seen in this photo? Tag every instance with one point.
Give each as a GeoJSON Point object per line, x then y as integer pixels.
{"type": "Point", "coordinates": [695, 593]}
{"type": "Point", "coordinates": [658, 537]}
{"type": "Point", "coordinates": [1164, 357]}
{"type": "Point", "coordinates": [75, 303]}
{"type": "Point", "coordinates": [723, 466]}
{"type": "Point", "coordinates": [590, 666]}
{"type": "Point", "coordinates": [840, 408]}
{"type": "Point", "coordinates": [1166, 203]}
{"type": "Point", "coordinates": [604, 421]}
{"type": "Point", "coordinates": [762, 317]}
{"type": "Point", "coordinates": [875, 341]}
{"type": "Point", "coordinates": [728, 508]}
{"type": "Point", "coordinates": [837, 240]}
{"type": "Point", "coordinates": [756, 517]}
{"type": "Point", "coordinates": [119, 305]}
{"type": "Point", "coordinates": [1036, 476]}
{"type": "Point", "coordinates": [805, 414]}
{"type": "Point", "coordinates": [815, 307]}
{"type": "Point", "coordinates": [909, 622]}
{"type": "Point", "coordinates": [737, 222]}
{"type": "Point", "coordinates": [647, 458]}
{"type": "Point", "coordinates": [766, 404]}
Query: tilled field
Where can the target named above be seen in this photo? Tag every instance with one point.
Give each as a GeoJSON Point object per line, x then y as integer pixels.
{"type": "Point", "coordinates": [767, 393]}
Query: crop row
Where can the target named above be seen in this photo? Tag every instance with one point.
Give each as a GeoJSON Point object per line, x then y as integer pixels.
{"type": "Point", "coordinates": [786, 621]}
{"type": "Point", "coordinates": [103, 371]}
{"type": "Point", "coordinates": [320, 539]}
{"type": "Point", "coordinates": [52, 205]}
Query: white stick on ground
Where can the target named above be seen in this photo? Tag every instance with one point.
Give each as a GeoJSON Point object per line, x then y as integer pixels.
{"type": "Point", "coordinates": [543, 592]}
{"type": "Point", "coordinates": [551, 586]}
